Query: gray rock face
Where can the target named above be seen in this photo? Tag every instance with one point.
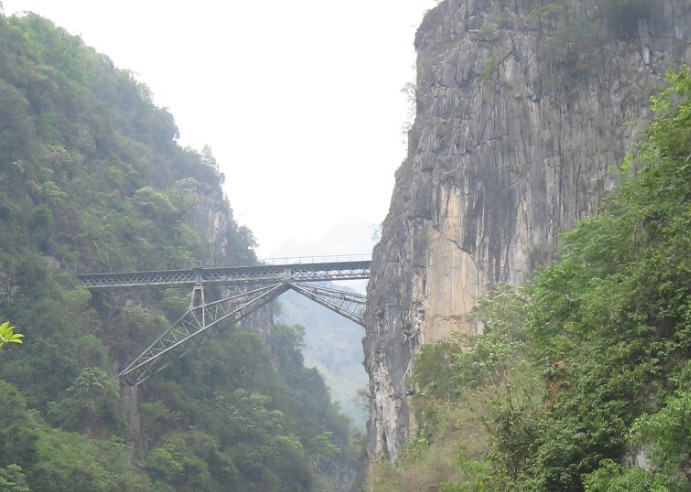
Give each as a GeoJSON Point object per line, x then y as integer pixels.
{"type": "Point", "coordinates": [522, 114]}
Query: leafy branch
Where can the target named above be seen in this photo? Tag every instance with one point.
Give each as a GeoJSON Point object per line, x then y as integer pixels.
{"type": "Point", "coordinates": [7, 334]}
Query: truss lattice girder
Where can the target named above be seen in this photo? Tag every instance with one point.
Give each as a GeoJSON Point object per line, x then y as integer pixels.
{"type": "Point", "coordinates": [199, 323]}
{"type": "Point", "coordinates": [308, 272]}
{"type": "Point", "coordinates": [196, 326]}
{"type": "Point", "coordinates": [348, 304]}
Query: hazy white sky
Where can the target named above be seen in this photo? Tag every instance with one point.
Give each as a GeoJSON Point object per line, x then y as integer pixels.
{"type": "Point", "coordinates": [299, 100]}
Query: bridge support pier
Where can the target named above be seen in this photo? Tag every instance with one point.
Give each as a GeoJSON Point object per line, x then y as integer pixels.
{"type": "Point", "coordinates": [131, 396]}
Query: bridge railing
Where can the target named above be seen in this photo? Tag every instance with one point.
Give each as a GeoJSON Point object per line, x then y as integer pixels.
{"type": "Point", "coordinates": [285, 260]}
{"type": "Point", "coordinates": [309, 260]}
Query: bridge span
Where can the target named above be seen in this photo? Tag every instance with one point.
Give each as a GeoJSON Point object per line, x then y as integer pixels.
{"type": "Point", "coordinates": [253, 287]}
{"type": "Point", "coordinates": [328, 269]}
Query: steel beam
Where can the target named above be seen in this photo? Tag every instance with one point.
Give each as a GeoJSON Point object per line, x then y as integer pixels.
{"type": "Point", "coordinates": [200, 323]}
{"type": "Point", "coordinates": [196, 326]}
{"type": "Point", "coordinates": [347, 304]}
{"type": "Point", "coordinates": [243, 275]}
{"type": "Point", "coordinates": [202, 320]}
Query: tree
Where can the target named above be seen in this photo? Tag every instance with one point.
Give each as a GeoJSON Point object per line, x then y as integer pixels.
{"type": "Point", "coordinates": [611, 324]}
{"type": "Point", "coordinates": [191, 460]}
{"type": "Point", "coordinates": [92, 404]}
{"type": "Point", "coordinates": [18, 434]}
{"type": "Point", "coordinates": [12, 478]}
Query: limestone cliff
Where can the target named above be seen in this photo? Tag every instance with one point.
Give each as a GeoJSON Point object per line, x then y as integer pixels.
{"type": "Point", "coordinates": [522, 111]}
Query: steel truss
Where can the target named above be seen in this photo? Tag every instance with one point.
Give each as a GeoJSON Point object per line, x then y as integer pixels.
{"type": "Point", "coordinates": [347, 304]}
{"type": "Point", "coordinates": [244, 275]}
{"type": "Point", "coordinates": [202, 320]}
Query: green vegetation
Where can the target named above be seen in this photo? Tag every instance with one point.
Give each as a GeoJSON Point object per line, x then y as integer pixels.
{"type": "Point", "coordinates": [584, 375]}
{"type": "Point", "coordinates": [7, 334]}
{"type": "Point", "coordinates": [488, 69]}
{"type": "Point", "coordinates": [91, 177]}
{"type": "Point", "coordinates": [329, 347]}
{"type": "Point", "coordinates": [574, 34]}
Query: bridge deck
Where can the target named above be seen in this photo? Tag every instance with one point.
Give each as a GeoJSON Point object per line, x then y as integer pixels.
{"type": "Point", "coordinates": [298, 272]}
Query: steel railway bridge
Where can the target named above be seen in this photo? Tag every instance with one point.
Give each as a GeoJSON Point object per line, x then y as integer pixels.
{"type": "Point", "coordinates": [251, 287]}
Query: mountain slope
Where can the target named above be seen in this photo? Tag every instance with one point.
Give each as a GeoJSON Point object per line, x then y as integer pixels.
{"type": "Point", "coordinates": [92, 177]}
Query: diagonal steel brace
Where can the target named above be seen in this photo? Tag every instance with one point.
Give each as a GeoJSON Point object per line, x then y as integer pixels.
{"type": "Point", "coordinates": [348, 304]}
{"type": "Point", "coordinates": [193, 328]}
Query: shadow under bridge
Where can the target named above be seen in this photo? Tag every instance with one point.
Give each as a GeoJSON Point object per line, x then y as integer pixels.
{"type": "Point", "coordinates": [254, 287]}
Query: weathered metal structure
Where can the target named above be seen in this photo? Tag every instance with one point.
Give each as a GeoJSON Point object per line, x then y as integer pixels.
{"type": "Point", "coordinates": [252, 287]}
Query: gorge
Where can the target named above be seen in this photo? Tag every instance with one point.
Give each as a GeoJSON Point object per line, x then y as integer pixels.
{"type": "Point", "coordinates": [525, 110]}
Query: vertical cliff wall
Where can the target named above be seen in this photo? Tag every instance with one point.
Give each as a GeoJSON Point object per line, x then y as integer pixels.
{"type": "Point", "coordinates": [522, 111]}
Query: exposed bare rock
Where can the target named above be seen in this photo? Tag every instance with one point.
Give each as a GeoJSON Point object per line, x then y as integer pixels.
{"type": "Point", "coordinates": [523, 109]}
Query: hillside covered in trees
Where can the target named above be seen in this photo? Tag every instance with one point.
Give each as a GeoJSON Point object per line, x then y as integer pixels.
{"type": "Point", "coordinates": [92, 177]}
{"type": "Point", "coordinates": [581, 379]}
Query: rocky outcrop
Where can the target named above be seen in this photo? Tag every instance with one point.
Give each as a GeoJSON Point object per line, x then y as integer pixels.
{"type": "Point", "coordinates": [523, 109]}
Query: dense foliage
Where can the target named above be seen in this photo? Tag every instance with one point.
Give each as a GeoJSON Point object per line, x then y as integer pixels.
{"type": "Point", "coordinates": [329, 347]}
{"type": "Point", "coordinates": [91, 177]}
{"type": "Point", "coordinates": [581, 380]}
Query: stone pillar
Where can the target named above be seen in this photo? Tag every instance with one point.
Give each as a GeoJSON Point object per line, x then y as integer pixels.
{"type": "Point", "coordinates": [137, 444]}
